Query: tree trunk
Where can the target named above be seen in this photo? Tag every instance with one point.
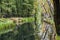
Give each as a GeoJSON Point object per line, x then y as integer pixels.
{"type": "Point", "coordinates": [45, 20]}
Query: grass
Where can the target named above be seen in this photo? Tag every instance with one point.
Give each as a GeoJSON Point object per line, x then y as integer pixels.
{"type": "Point", "coordinates": [58, 38]}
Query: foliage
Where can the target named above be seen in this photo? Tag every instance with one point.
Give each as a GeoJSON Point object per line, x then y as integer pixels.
{"type": "Point", "coordinates": [17, 8]}
{"type": "Point", "coordinates": [32, 28]}
{"type": "Point", "coordinates": [25, 7]}
{"type": "Point", "coordinates": [6, 25]}
{"type": "Point", "coordinates": [6, 7]}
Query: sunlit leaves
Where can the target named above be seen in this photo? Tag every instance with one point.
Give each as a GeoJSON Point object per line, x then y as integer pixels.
{"type": "Point", "coordinates": [6, 25]}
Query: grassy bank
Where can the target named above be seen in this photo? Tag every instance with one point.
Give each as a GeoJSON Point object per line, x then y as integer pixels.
{"type": "Point", "coordinates": [58, 37]}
